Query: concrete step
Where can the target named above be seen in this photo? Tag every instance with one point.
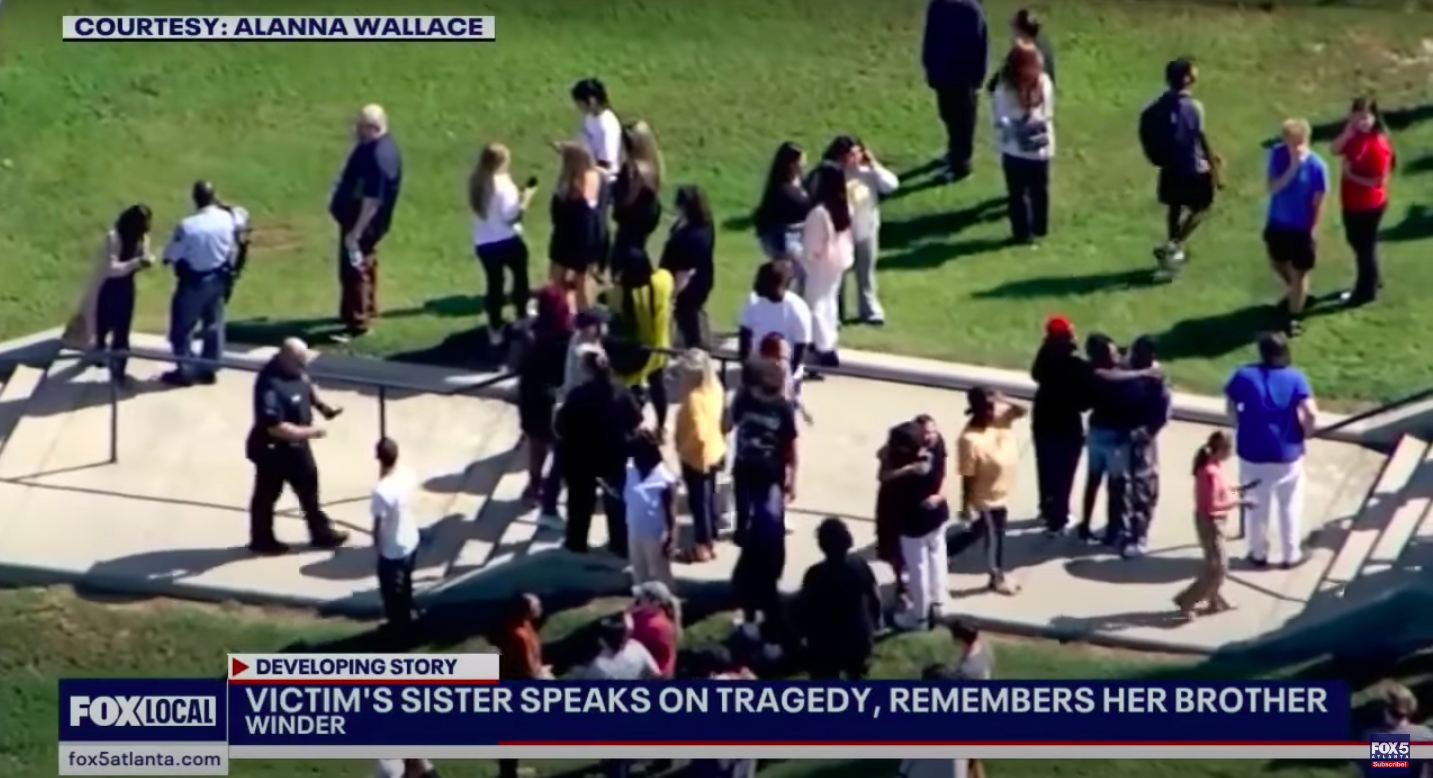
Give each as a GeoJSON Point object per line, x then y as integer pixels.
{"type": "Point", "coordinates": [1410, 525]}
{"type": "Point", "coordinates": [15, 396]}
{"type": "Point", "coordinates": [1380, 511]}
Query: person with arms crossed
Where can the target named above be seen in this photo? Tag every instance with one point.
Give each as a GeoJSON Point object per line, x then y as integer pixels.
{"type": "Point", "coordinates": [362, 206]}
{"type": "Point", "coordinates": [395, 535]}
{"type": "Point", "coordinates": [1298, 179]}
{"type": "Point", "coordinates": [202, 253]}
{"type": "Point", "coordinates": [1274, 413]}
{"type": "Point", "coordinates": [1368, 161]}
{"type": "Point", "coordinates": [280, 446]}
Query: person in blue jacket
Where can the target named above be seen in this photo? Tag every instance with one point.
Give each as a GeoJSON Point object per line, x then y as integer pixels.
{"type": "Point", "coordinates": [955, 53]}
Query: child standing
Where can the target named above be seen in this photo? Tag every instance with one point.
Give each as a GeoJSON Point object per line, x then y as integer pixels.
{"type": "Point", "coordinates": [1213, 499]}
{"type": "Point", "coordinates": [649, 494]}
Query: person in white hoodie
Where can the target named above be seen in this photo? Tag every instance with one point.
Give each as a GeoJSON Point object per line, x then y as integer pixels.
{"type": "Point", "coordinates": [1025, 125]}
{"type": "Point", "coordinates": [867, 181]}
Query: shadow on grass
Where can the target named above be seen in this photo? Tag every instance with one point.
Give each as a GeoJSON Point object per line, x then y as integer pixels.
{"type": "Point", "coordinates": [1417, 224]}
{"type": "Point", "coordinates": [1396, 119]}
{"type": "Point", "coordinates": [264, 331]}
{"type": "Point", "coordinates": [1070, 286]}
{"type": "Point", "coordinates": [1215, 335]}
{"type": "Point", "coordinates": [931, 255]}
{"type": "Point", "coordinates": [1423, 164]}
{"type": "Point", "coordinates": [901, 233]}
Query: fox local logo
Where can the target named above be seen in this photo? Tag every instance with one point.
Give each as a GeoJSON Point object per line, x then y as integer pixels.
{"type": "Point", "coordinates": [144, 711]}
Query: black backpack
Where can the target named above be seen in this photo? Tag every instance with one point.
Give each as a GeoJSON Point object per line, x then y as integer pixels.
{"type": "Point", "coordinates": [1158, 124]}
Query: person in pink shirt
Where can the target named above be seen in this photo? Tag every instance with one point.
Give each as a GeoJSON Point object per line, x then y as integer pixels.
{"type": "Point", "coordinates": [657, 624]}
{"type": "Point", "coordinates": [1214, 498]}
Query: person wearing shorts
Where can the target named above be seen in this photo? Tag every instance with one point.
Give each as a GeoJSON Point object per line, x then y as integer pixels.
{"type": "Point", "coordinates": [1187, 181]}
{"type": "Point", "coordinates": [1298, 180]}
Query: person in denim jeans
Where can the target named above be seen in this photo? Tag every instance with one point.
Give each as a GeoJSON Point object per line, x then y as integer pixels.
{"type": "Point", "coordinates": [1105, 450]}
{"type": "Point", "coordinates": [701, 447]}
{"type": "Point", "coordinates": [780, 216]}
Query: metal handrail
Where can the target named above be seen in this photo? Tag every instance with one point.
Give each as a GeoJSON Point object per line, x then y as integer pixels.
{"type": "Point", "coordinates": [1362, 416]}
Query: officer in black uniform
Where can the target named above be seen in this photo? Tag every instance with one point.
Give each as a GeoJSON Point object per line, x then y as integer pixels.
{"type": "Point", "coordinates": [278, 445]}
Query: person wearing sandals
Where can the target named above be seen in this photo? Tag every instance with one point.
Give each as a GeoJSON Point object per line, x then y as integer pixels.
{"type": "Point", "coordinates": [987, 454]}
{"type": "Point", "coordinates": [1214, 499]}
{"type": "Point", "coordinates": [701, 447]}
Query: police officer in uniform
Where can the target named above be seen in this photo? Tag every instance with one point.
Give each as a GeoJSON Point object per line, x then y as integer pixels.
{"type": "Point", "coordinates": [284, 403]}
{"type": "Point", "coordinates": [202, 252]}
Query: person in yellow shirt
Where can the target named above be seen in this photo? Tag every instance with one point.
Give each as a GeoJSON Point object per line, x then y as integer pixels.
{"type": "Point", "coordinates": [643, 326]}
{"type": "Point", "coordinates": [701, 446]}
{"type": "Point", "coordinates": [986, 456]}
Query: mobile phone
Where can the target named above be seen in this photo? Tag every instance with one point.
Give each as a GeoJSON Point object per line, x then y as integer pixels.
{"type": "Point", "coordinates": [532, 183]}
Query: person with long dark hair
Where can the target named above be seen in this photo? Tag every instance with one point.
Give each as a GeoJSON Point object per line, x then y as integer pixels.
{"type": "Point", "coordinates": [601, 130]}
{"type": "Point", "coordinates": [636, 195]}
{"type": "Point", "coordinates": [1214, 499]}
{"type": "Point", "coordinates": [108, 307]}
{"type": "Point", "coordinates": [498, 207]}
{"type": "Point", "coordinates": [838, 609]}
{"type": "Point", "coordinates": [784, 204]}
{"type": "Point", "coordinates": [773, 308]}
{"type": "Point", "coordinates": [827, 253]}
{"type": "Point", "coordinates": [1024, 112]}
{"type": "Point", "coordinates": [540, 379]}
{"type": "Point", "coordinates": [688, 256]}
{"type": "Point", "coordinates": [1368, 161]}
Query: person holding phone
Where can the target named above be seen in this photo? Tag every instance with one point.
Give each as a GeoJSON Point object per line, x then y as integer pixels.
{"type": "Point", "coordinates": [1368, 162]}
{"type": "Point", "coordinates": [498, 207]}
{"type": "Point", "coordinates": [1214, 499]}
{"type": "Point", "coordinates": [107, 309]}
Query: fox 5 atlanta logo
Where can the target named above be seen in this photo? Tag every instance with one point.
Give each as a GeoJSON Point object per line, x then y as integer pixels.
{"type": "Point", "coordinates": [1390, 754]}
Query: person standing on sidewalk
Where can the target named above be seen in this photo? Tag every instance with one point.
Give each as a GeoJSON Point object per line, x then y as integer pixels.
{"type": "Point", "coordinates": [594, 426]}
{"type": "Point", "coordinates": [107, 309]}
{"type": "Point", "coordinates": [362, 206]}
{"type": "Point", "coordinates": [202, 253]}
{"type": "Point", "coordinates": [1062, 381]}
{"type": "Point", "coordinates": [1274, 413]}
{"type": "Point", "coordinates": [395, 536]}
{"type": "Point", "coordinates": [1213, 500]}
{"type": "Point", "coordinates": [701, 447]}
{"type": "Point", "coordinates": [911, 494]}
{"type": "Point", "coordinates": [955, 53]}
{"type": "Point", "coordinates": [1149, 406]}
{"type": "Point", "coordinates": [986, 455]}
{"type": "Point", "coordinates": [1368, 162]}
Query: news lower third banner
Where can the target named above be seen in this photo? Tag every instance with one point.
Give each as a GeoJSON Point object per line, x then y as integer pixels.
{"type": "Point", "coordinates": [453, 707]}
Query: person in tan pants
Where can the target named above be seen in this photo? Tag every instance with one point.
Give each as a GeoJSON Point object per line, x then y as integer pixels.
{"type": "Point", "coordinates": [1213, 499]}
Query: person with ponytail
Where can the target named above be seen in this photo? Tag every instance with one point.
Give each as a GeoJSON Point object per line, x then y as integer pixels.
{"type": "Point", "coordinates": [1213, 500]}
{"type": "Point", "coordinates": [1368, 162]}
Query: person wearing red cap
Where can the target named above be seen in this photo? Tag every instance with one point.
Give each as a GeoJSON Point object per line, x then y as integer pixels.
{"type": "Point", "coordinates": [1062, 379]}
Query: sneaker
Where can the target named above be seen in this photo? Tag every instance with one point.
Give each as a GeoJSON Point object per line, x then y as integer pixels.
{"type": "Point", "coordinates": [1132, 551]}
{"type": "Point", "coordinates": [334, 539]}
{"type": "Point", "coordinates": [1087, 536]}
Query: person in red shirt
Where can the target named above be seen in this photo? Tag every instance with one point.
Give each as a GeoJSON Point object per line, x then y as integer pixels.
{"type": "Point", "coordinates": [1368, 161]}
{"type": "Point", "coordinates": [657, 624]}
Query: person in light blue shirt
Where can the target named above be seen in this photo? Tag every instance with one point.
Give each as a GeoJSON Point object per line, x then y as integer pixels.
{"type": "Point", "coordinates": [202, 252]}
{"type": "Point", "coordinates": [1298, 180]}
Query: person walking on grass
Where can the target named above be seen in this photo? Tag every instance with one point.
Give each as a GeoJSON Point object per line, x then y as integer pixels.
{"type": "Point", "coordinates": [1173, 136]}
{"type": "Point", "coordinates": [955, 51]}
{"type": "Point", "coordinates": [827, 253]}
{"type": "Point", "coordinates": [498, 206]}
{"type": "Point", "coordinates": [362, 206]}
{"type": "Point", "coordinates": [1214, 499]}
{"type": "Point", "coordinates": [1274, 414]}
{"type": "Point", "coordinates": [867, 182]}
{"type": "Point", "coordinates": [1368, 161]}
{"type": "Point", "coordinates": [986, 455]}
{"type": "Point", "coordinates": [1297, 180]}
{"type": "Point", "coordinates": [701, 447]}
{"type": "Point", "coordinates": [1024, 108]}
{"type": "Point", "coordinates": [1062, 381]}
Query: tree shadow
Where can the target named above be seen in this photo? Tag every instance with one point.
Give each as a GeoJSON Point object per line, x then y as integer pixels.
{"type": "Point", "coordinates": [901, 233]}
{"type": "Point", "coordinates": [1070, 286]}
{"type": "Point", "coordinates": [1216, 335]}
{"type": "Point", "coordinates": [1396, 119]}
{"type": "Point", "coordinates": [931, 255]}
{"type": "Point", "coordinates": [1423, 164]}
{"type": "Point", "coordinates": [1417, 224]}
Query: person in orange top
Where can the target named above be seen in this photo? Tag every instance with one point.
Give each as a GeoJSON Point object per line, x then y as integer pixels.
{"type": "Point", "coordinates": [519, 653]}
{"type": "Point", "coordinates": [701, 447]}
{"type": "Point", "coordinates": [1368, 161]}
{"type": "Point", "coordinates": [1213, 500]}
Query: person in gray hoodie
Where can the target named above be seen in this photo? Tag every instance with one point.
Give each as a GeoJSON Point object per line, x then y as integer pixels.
{"type": "Point", "coordinates": [955, 53]}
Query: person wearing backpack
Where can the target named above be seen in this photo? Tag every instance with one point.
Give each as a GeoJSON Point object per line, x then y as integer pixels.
{"type": "Point", "coordinates": [1171, 132]}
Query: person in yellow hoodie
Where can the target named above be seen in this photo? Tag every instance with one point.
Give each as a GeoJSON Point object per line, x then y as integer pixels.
{"type": "Point", "coordinates": [701, 446]}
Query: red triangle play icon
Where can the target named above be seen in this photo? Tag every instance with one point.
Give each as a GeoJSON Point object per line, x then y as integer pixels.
{"type": "Point", "coordinates": [236, 667]}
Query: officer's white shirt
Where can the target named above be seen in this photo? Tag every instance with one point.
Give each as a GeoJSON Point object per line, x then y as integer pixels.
{"type": "Point", "coordinates": [206, 241]}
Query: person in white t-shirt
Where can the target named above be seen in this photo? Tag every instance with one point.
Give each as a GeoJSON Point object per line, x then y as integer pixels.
{"type": "Point", "coordinates": [650, 496]}
{"type": "Point", "coordinates": [498, 206]}
{"type": "Point", "coordinates": [772, 308]}
{"type": "Point", "coordinates": [395, 535]}
{"type": "Point", "coordinates": [601, 130]}
{"type": "Point", "coordinates": [619, 657]}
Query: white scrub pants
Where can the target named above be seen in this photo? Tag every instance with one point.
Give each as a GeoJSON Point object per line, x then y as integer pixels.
{"type": "Point", "coordinates": [926, 570]}
{"type": "Point", "coordinates": [1280, 492]}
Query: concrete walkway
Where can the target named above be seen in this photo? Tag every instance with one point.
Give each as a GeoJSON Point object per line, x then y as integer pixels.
{"type": "Point", "coordinates": [170, 517]}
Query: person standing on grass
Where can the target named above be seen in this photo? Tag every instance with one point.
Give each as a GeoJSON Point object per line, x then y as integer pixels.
{"type": "Point", "coordinates": [594, 426]}
{"type": "Point", "coordinates": [987, 454]}
{"type": "Point", "coordinates": [650, 497]}
{"type": "Point", "coordinates": [838, 608]}
{"type": "Point", "coordinates": [1213, 500]}
{"type": "Point", "coordinates": [1024, 108]}
{"type": "Point", "coordinates": [540, 378]}
{"type": "Point", "coordinates": [601, 129]}
{"type": "Point", "coordinates": [867, 182]}
{"type": "Point", "coordinates": [954, 52]}
{"type": "Point", "coordinates": [688, 256]}
{"type": "Point", "coordinates": [701, 447]}
{"type": "Point", "coordinates": [827, 253]}
{"type": "Point", "coordinates": [1368, 161]}
{"type": "Point", "coordinates": [362, 206]}
{"type": "Point", "coordinates": [498, 206]}
{"type": "Point", "coordinates": [578, 245]}
{"type": "Point", "coordinates": [1274, 413]}
{"type": "Point", "coordinates": [106, 311]}
{"type": "Point", "coordinates": [1172, 133]}
{"type": "Point", "coordinates": [1298, 180]}
{"type": "Point", "coordinates": [1062, 383]}
{"type": "Point", "coordinates": [780, 215]}
{"type": "Point", "coordinates": [636, 196]}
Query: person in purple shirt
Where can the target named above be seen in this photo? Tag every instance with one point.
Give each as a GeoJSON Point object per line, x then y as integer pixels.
{"type": "Point", "coordinates": [1298, 179]}
{"type": "Point", "coordinates": [1274, 413]}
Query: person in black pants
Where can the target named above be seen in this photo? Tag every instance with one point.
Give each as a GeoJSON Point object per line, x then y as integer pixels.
{"type": "Point", "coordinates": [1024, 102]}
{"type": "Point", "coordinates": [1368, 161]}
{"type": "Point", "coordinates": [126, 254]}
{"type": "Point", "coordinates": [954, 53]}
{"type": "Point", "coordinates": [595, 425]}
{"type": "Point", "coordinates": [839, 607]}
{"type": "Point", "coordinates": [279, 446]}
{"type": "Point", "coordinates": [1062, 380]}
{"type": "Point", "coordinates": [688, 257]}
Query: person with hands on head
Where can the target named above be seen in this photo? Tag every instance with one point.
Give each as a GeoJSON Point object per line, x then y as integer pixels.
{"type": "Point", "coordinates": [279, 445]}
{"type": "Point", "coordinates": [1368, 161]}
{"type": "Point", "coordinates": [1297, 180]}
{"type": "Point", "coordinates": [986, 456]}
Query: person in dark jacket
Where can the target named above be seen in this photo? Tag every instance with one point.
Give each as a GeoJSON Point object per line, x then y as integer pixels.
{"type": "Point", "coordinates": [1106, 442]}
{"type": "Point", "coordinates": [540, 376]}
{"type": "Point", "coordinates": [839, 607]}
{"type": "Point", "coordinates": [955, 53]}
{"type": "Point", "coordinates": [594, 426]}
{"type": "Point", "coordinates": [1062, 380]}
{"type": "Point", "coordinates": [1149, 407]}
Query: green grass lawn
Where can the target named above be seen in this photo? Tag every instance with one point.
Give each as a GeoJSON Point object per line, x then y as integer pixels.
{"type": "Point", "coordinates": [86, 129]}
{"type": "Point", "coordinates": [53, 634]}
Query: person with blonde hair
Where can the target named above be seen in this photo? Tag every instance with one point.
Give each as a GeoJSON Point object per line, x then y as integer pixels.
{"type": "Point", "coordinates": [1297, 180]}
{"type": "Point", "coordinates": [579, 232]}
{"type": "Point", "coordinates": [701, 447]}
{"type": "Point", "coordinates": [498, 207]}
{"type": "Point", "coordinates": [636, 195]}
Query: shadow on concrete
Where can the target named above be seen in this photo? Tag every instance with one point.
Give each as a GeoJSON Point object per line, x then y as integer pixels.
{"type": "Point", "coordinates": [1150, 569]}
{"type": "Point", "coordinates": [485, 471]}
{"type": "Point", "coordinates": [61, 392]}
{"type": "Point", "coordinates": [1070, 286]}
{"type": "Point", "coordinates": [155, 567]}
{"type": "Point", "coordinates": [1117, 622]}
{"type": "Point", "coordinates": [1025, 546]}
{"type": "Point", "coordinates": [438, 543]}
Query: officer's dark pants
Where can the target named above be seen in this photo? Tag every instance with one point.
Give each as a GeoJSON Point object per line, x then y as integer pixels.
{"type": "Point", "coordinates": [273, 468]}
{"type": "Point", "coordinates": [395, 587]}
{"type": "Point", "coordinates": [358, 285]}
{"type": "Point", "coordinates": [114, 315]}
{"type": "Point", "coordinates": [582, 478]}
{"type": "Point", "coordinates": [198, 301]}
